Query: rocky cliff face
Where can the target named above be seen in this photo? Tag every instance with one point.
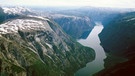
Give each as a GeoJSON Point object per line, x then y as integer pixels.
{"type": "Point", "coordinates": [75, 26]}
{"type": "Point", "coordinates": [36, 46]}
{"type": "Point", "coordinates": [2, 15]}
{"type": "Point", "coordinates": [118, 40]}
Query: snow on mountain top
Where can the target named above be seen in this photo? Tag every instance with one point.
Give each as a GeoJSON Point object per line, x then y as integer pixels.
{"type": "Point", "coordinates": [131, 19]}
{"type": "Point", "coordinates": [22, 24]}
{"type": "Point", "coordinates": [56, 16]}
{"type": "Point", "coordinates": [43, 18]}
{"type": "Point", "coordinates": [61, 15]}
{"type": "Point", "coordinates": [15, 10]}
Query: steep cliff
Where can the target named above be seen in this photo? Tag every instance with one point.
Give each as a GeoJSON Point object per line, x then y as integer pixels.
{"type": "Point", "coordinates": [36, 46]}
{"type": "Point", "coordinates": [75, 26]}
{"type": "Point", "coordinates": [118, 40]}
{"type": "Point", "coordinates": [2, 15]}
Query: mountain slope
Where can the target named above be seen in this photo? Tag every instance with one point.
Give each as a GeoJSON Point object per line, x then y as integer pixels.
{"type": "Point", "coordinates": [118, 40]}
{"type": "Point", "coordinates": [2, 15]}
{"type": "Point", "coordinates": [75, 26]}
{"type": "Point", "coordinates": [33, 46]}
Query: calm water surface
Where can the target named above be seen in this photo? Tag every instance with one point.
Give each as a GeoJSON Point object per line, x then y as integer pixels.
{"type": "Point", "coordinates": [93, 41]}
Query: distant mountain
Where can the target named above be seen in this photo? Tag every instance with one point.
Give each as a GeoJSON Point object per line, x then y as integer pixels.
{"type": "Point", "coordinates": [118, 40]}
{"type": "Point", "coordinates": [17, 10]}
{"type": "Point", "coordinates": [12, 13]}
{"type": "Point", "coordinates": [96, 14]}
{"type": "Point", "coordinates": [79, 22]}
{"type": "Point", "coordinates": [36, 46]}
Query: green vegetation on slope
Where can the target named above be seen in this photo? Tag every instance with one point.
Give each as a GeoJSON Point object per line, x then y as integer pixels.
{"type": "Point", "coordinates": [118, 40]}
{"type": "Point", "coordinates": [45, 52]}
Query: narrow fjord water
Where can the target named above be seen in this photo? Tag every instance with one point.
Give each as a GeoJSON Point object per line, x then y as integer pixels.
{"type": "Point", "coordinates": [93, 41]}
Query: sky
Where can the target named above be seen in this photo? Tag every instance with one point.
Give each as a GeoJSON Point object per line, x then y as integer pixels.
{"type": "Point", "coordinates": [96, 3]}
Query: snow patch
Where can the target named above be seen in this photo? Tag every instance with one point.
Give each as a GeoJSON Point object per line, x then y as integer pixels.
{"type": "Point", "coordinates": [49, 45]}
{"type": "Point", "coordinates": [21, 24]}
{"type": "Point", "coordinates": [66, 16]}
{"type": "Point", "coordinates": [15, 10]}
{"type": "Point", "coordinates": [39, 17]}
{"type": "Point", "coordinates": [37, 39]}
{"type": "Point", "coordinates": [131, 19]}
